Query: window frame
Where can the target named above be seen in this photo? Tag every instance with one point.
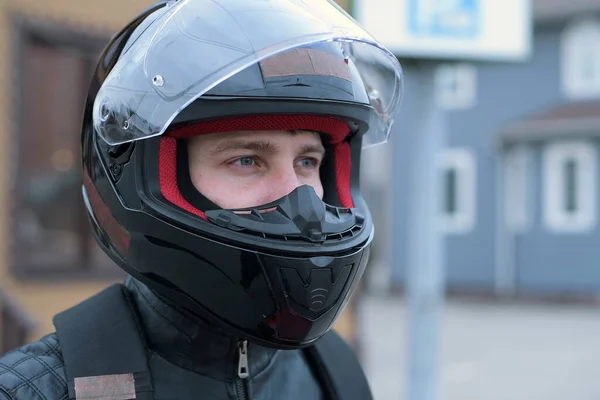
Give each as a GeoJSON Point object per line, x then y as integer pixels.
{"type": "Point", "coordinates": [575, 44]}
{"type": "Point", "coordinates": [463, 221]}
{"type": "Point", "coordinates": [465, 78]}
{"type": "Point", "coordinates": [555, 154]}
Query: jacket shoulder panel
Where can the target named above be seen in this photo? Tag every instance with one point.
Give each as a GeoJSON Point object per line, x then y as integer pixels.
{"type": "Point", "coordinates": [34, 372]}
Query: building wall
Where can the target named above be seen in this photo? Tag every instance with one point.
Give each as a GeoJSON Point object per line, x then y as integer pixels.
{"type": "Point", "coordinates": [477, 258]}
{"type": "Point", "coordinates": [558, 262]}
{"type": "Point", "coordinates": [505, 93]}
{"type": "Point", "coordinates": [41, 300]}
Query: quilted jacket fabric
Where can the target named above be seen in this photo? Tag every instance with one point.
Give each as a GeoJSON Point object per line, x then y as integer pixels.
{"type": "Point", "coordinates": [187, 358]}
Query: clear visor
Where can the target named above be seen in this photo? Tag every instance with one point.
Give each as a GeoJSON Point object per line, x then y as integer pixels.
{"type": "Point", "coordinates": [194, 45]}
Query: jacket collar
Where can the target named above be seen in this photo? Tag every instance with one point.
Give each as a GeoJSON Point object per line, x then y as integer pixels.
{"type": "Point", "coordinates": [190, 342]}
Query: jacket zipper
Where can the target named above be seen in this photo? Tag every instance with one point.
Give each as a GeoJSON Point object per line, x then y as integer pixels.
{"type": "Point", "coordinates": [242, 373]}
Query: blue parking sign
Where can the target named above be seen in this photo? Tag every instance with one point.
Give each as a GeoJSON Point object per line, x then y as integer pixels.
{"type": "Point", "coordinates": [445, 18]}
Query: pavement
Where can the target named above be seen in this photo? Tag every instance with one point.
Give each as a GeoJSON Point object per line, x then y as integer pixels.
{"type": "Point", "coordinates": [490, 350]}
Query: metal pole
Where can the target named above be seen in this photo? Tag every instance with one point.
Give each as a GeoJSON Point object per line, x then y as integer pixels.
{"type": "Point", "coordinates": [425, 274]}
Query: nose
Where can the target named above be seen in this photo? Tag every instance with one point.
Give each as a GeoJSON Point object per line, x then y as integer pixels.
{"type": "Point", "coordinates": [283, 181]}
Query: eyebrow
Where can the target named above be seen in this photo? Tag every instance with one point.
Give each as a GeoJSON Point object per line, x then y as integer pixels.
{"type": "Point", "coordinates": [262, 146]}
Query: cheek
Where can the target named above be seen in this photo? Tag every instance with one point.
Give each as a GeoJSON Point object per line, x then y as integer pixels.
{"type": "Point", "coordinates": [229, 191]}
{"type": "Point", "coordinates": [224, 190]}
{"type": "Point", "coordinates": [315, 182]}
{"type": "Point", "coordinates": [319, 190]}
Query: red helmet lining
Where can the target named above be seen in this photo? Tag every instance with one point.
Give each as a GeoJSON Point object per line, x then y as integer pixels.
{"type": "Point", "coordinates": [336, 129]}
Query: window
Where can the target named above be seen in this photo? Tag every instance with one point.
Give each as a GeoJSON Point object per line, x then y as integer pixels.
{"type": "Point", "coordinates": [580, 59]}
{"type": "Point", "coordinates": [450, 194]}
{"type": "Point", "coordinates": [570, 201]}
{"type": "Point", "coordinates": [50, 222]}
{"type": "Point", "coordinates": [458, 191]}
{"type": "Point", "coordinates": [456, 86]}
{"type": "Point", "coordinates": [518, 184]}
{"type": "Point", "coordinates": [570, 171]}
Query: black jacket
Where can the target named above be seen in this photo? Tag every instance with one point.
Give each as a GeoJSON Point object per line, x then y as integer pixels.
{"type": "Point", "coordinates": [188, 360]}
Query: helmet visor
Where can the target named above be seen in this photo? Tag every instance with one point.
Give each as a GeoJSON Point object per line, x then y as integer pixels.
{"type": "Point", "coordinates": [194, 45]}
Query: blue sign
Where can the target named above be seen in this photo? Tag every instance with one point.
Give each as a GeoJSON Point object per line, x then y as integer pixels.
{"type": "Point", "coordinates": [445, 18]}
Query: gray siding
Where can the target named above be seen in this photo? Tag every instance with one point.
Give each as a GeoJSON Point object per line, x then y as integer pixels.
{"type": "Point", "coordinates": [551, 262]}
{"type": "Point", "coordinates": [506, 93]}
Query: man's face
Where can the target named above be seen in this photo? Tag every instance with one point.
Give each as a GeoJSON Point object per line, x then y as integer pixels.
{"type": "Point", "coordinates": [252, 168]}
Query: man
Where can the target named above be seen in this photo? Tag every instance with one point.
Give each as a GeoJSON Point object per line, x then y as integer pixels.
{"type": "Point", "coordinates": [221, 147]}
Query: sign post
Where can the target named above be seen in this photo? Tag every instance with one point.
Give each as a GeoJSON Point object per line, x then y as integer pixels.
{"type": "Point", "coordinates": [444, 31]}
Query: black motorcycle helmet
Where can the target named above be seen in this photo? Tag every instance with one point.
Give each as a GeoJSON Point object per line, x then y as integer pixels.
{"type": "Point", "coordinates": [279, 277]}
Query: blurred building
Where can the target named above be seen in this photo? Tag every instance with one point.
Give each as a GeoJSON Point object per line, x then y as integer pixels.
{"type": "Point", "coordinates": [48, 258]}
{"type": "Point", "coordinates": [520, 197]}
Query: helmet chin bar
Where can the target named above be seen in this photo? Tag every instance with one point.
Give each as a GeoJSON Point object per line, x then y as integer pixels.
{"type": "Point", "coordinates": [300, 215]}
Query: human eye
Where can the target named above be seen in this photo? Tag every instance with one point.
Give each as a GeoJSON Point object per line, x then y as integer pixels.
{"type": "Point", "coordinates": [246, 161]}
{"type": "Point", "coordinates": [309, 162]}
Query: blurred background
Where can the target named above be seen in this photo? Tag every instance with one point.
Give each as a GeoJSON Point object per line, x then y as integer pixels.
{"type": "Point", "coordinates": [518, 198]}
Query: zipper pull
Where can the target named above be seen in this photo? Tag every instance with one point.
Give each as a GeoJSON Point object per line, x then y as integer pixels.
{"type": "Point", "coordinates": [243, 372]}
